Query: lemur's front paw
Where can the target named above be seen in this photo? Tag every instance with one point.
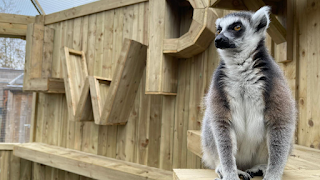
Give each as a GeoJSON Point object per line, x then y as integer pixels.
{"type": "Point", "coordinates": [244, 175]}
{"type": "Point", "coordinates": [219, 172]}
{"type": "Point", "coordinates": [271, 179]}
{"type": "Point", "coordinates": [258, 170]}
{"type": "Point", "coordinates": [228, 178]}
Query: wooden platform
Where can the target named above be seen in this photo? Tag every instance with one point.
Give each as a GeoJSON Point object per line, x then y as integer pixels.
{"type": "Point", "coordinates": [206, 174]}
{"type": "Point", "coordinates": [85, 164]}
{"type": "Point", "coordinates": [303, 163]}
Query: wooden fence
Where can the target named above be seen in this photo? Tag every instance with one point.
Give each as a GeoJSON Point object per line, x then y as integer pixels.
{"type": "Point", "coordinates": [156, 132]}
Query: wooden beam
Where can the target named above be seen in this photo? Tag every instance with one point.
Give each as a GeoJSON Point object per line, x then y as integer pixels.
{"type": "Point", "coordinates": [36, 4]}
{"type": "Point", "coordinates": [34, 52]}
{"type": "Point", "coordinates": [207, 174]}
{"type": "Point", "coordinates": [45, 85]}
{"type": "Point", "coordinates": [13, 30]}
{"type": "Point", "coordinates": [16, 19]}
{"type": "Point", "coordinates": [87, 9]}
{"type": "Point", "coordinates": [85, 164]}
{"type": "Point", "coordinates": [7, 146]}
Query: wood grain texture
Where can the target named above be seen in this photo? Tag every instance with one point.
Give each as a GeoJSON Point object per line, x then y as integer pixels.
{"type": "Point", "coordinates": [178, 114]}
{"type": "Point", "coordinates": [16, 19]}
{"type": "Point", "coordinates": [34, 53]}
{"type": "Point", "coordinates": [87, 9]}
{"type": "Point", "coordinates": [125, 83]}
{"type": "Point", "coordinates": [13, 30]}
{"type": "Point", "coordinates": [77, 85]}
{"type": "Point", "coordinates": [93, 166]}
{"type": "Point", "coordinates": [161, 74]}
{"type": "Point", "coordinates": [7, 146]}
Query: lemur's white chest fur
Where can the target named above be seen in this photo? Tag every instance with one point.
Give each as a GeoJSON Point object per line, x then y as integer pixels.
{"type": "Point", "coordinates": [246, 103]}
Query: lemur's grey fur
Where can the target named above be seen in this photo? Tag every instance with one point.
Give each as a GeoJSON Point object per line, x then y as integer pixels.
{"type": "Point", "coordinates": [250, 115]}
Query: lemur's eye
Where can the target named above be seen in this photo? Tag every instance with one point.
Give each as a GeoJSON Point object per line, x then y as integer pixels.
{"type": "Point", "coordinates": [218, 31]}
{"type": "Point", "coordinates": [237, 28]}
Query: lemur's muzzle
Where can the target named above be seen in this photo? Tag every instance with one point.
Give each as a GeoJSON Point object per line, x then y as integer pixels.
{"type": "Point", "coordinates": [222, 42]}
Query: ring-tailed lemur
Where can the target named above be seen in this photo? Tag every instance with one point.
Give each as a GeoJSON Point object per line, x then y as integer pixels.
{"type": "Point", "coordinates": [250, 116]}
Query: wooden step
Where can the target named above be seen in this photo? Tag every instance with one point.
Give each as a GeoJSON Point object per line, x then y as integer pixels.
{"type": "Point", "coordinates": [85, 164]}
{"type": "Point", "coordinates": [194, 142]}
{"type": "Point", "coordinates": [206, 174]}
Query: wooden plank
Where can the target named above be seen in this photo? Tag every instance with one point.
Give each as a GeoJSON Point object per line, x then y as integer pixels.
{"type": "Point", "coordinates": [13, 30]}
{"type": "Point", "coordinates": [87, 9]}
{"type": "Point", "coordinates": [108, 45]}
{"type": "Point", "coordinates": [303, 92]}
{"type": "Point", "coordinates": [75, 52]}
{"type": "Point", "coordinates": [34, 54]}
{"type": "Point", "coordinates": [16, 19]}
{"type": "Point", "coordinates": [7, 146]}
{"type": "Point", "coordinates": [143, 125]}
{"type": "Point", "coordinates": [77, 87]}
{"type": "Point", "coordinates": [197, 86]}
{"type": "Point", "coordinates": [194, 142]}
{"type": "Point", "coordinates": [125, 83]}
{"type": "Point", "coordinates": [35, 61]}
{"type": "Point", "coordinates": [161, 75]}
{"type": "Point", "coordinates": [167, 130]}
{"type": "Point", "coordinates": [33, 123]}
{"type": "Point", "coordinates": [155, 131]}
{"type": "Point", "coordinates": [91, 43]}
{"type": "Point", "coordinates": [14, 167]}
{"type": "Point", "coordinates": [5, 164]}
{"type": "Point", "coordinates": [311, 135]}
{"type": "Point", "coordinates": [205, 174]}
{"type": "Point", "coordinates": [47, 52]}
{"type": "Point", "coordinates": [122, 130]}
{"type": "Point", "coordinates": [46, 85]}
{"type": "Point", "coordinates": [93, 166]}
{"type": "Point", "coordinates": [100, 31]}
{"type": "Point", "coordinates": [25, 169]}
{"type": "Point", "coordinates": [182, 115]}
{"type": "Point", "coordinates": [56, 85]}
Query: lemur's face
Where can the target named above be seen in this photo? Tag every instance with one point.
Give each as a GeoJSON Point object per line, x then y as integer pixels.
{"type": "Point", "coordinates": [238, 30]}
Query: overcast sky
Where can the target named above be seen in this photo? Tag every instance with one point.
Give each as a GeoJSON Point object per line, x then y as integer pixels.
{"type": "Point", "coordinates": [25, 7]}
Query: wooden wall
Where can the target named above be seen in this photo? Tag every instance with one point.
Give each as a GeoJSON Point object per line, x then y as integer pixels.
{"type": "Point", "coordinates": [156, 132]}
{"type": "Point", "coordinates": [308, 12]}
{"type": "Point", "coordinates": [157, 127]}
{"type": "Point", "coordinates": [14, 168]}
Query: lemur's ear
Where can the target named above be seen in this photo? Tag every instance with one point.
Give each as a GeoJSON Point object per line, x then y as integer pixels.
{"type": "Point", "coordinates": [261, 18]}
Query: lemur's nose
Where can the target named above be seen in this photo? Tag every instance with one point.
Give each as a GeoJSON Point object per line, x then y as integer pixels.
{"type": "Point", "coordinates": [223, 42]}
{"type": "Point", "coordinates": [221, 38]}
